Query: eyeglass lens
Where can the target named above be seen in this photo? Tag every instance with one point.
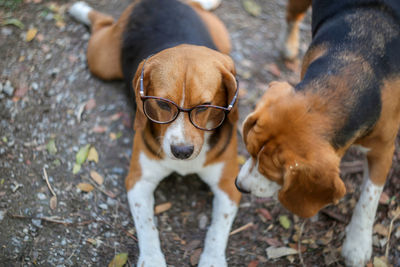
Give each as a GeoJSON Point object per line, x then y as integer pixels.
{"type": "Point", "coordinates": [204, 117]}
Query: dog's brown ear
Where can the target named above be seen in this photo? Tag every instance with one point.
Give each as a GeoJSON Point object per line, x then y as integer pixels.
{"type": "Point", "coordinates": [228, 73]}
{"type": "Point", "coordinates": [140, 118]}
{"type": "Point", "coordinates": [309, 186]}
{"type": "Point", "coordinates": [248, 123]}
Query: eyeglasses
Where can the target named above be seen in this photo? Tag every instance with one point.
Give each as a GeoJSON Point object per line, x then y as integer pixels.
{"type": "Point", "coordinates": [204, 117]}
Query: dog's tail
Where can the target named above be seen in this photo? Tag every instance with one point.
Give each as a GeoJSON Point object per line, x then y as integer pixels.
{"type": "Point", "coordinates": [80, 12]}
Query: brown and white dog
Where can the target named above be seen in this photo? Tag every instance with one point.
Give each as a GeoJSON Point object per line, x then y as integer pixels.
{"type": "Point", "coordinates": [349, 95]}
{"type": "Point", "coordinates": [174, 57]}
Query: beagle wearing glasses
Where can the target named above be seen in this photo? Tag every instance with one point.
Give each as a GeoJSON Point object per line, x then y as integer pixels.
{"type": "Point", "coordinates": [174, 57]}
{"type": "Point", "coordinates": [349, 95]}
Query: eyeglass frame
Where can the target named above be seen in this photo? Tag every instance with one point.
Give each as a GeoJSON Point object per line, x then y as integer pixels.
{"type": "Point", "coordinates": [226, 110]}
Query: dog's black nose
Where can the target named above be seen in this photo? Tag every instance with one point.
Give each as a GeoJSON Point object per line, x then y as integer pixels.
{"type": "Point", "coordinates": [240, 189]}
{"type": "Point", "coordinates": [182, 152]}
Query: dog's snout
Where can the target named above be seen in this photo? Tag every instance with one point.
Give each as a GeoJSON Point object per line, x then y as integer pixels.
{"type": "Point", "coordinates": [239, 188]}
{"type": "Point", "coordinates": [182, 152]}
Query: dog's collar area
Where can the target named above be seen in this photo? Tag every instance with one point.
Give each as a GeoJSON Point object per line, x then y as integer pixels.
{"type": "Point", "coordinates": [225, 110]}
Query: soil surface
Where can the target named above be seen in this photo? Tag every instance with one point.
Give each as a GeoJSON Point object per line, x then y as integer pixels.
{"type": "Point", "coordinates": [51, 107]}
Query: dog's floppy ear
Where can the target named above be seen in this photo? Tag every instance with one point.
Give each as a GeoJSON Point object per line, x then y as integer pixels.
{"type": "Point", "coordinates": [309, 186]}
{"type": "Point", "coordinates": [228, 73]}
{"type": "Point", "coordinates": [140, 118]}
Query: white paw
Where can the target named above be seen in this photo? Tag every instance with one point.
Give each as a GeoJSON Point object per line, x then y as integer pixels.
{"type": "Point", "coordinates": [208, 4]}
{"type": "Point", "coordinates": [151, 261]}
{"type": "Point", "coordinates": [80, 12]}
{"type": "Point", "coordinates": [207, 260]}
{"type": "Point", "coordinates": [357, 248]}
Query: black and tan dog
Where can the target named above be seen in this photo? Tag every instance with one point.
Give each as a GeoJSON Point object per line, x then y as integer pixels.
{"type": "Point", "coordinates": [174, 57]}
{"type": "Point", "coordinates": [349, 95]}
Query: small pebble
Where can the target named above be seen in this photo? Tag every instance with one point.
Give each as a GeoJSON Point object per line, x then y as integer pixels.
{"type": "Point", "coordinates": [41, 196]}
{"type": "Point", "coordinates": [37, 223]}
{"type": "Point", "coordinates": [6, 31]}
{"type": "Point", "coordinates": [8, 89]}
{"type": "Point", "coordinates": [103, 206]}
{"type": "Point", "coordinates": [203, 221]}
{"type": "Point", "coordinates": [2, 213]}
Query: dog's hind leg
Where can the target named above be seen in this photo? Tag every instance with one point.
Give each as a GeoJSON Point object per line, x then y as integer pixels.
{"type": "Point", "coordinates": [104, 48]}
{"type": "Point", "coordinates": [295, 12]}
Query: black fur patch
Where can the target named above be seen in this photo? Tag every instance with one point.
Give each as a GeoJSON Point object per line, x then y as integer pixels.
{"type": "Point", "coordinates": [155, 25]}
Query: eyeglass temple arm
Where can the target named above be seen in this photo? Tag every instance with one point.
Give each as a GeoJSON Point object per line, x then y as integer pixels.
{"type": "Point", "coordinates": [141, 92]}
{"type": "Point", "coordinates": [235, 96]}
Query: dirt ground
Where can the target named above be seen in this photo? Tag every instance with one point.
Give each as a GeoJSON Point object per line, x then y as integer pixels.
{"type": "Point", "coordinates": [51, 106]}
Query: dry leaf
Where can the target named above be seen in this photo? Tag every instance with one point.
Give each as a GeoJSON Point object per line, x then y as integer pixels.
{"type": "Point", "coordinates": [274, 253]}
{"type": "Point", "coordinates": [195, 257]}
{"type": "Point", "coordinates": [252, 7]}
{"type": "Point", "coordinates": [119, 260]}
{"type": "Point", "coordinates": [241, 160]}
{"type": "Point", "coordinates": [90, 104]}
{"type": "Point", "coordinates": [30, 34]}
{"type": "Point", "coordinates": [162, 207]}
{"type": "Point", "coordinates": [85, 187]}
{"type": "Point", "coordinates": [395, 213]}
{"type": "Point", "coordinates": [93, 155]}
{"type": "Point", "coordinates": [14, 22]}
{"type": "Point", "coordinates": [97, 177]}
{"type": "Point", "coordinates": [82, 154]}
{"type": "Point", "coordinates": [99, 129]}
{"type": "Point", "coordinates": [53, 202]}
{"type": "Point", "coordinates": [265, 213]}
{"type": "Point", "coordinates": [51, 147]}
{"type": "Point", "coordinates": [381, 229]}
{"type": "Point", "coordinates": [76, 168]}
{"type": "Point", "coordinates": [92, 241]}
{"type": "Point", "coordinates": [253, 263]}
{"type": "Point", "coordinates": [380, 262]}
{"type": "Point", "coordinates": [284, 221]}
{"type": "Point", "coordinates": [384, 199]}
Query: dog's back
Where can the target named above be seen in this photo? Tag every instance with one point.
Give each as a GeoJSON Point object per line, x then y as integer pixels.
{"type": "Point", "coordinates": [155, 25]}
{"type": "Point", "coordinates": [359, 48]}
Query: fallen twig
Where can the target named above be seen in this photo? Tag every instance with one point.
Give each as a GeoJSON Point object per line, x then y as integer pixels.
{"type": "Point", "coordinates": [66, 223]}
{"type": "Point", "coordinates": [388, 236]}
{"type": "Point", "coordinates": [51, 220]}
{"type": "Point", "coordinates": [53, 199]}
{"type": "Point", "coordinates": [242, 228]}
{"type": "Point", "coordinates": [107, 193]}
{"type": "Point", "coordinates": [299, 244]}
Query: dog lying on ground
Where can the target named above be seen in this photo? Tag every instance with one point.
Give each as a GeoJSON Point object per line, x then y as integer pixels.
{"type": "Point", "coordinates": [349, 95]}
{"type": "Point", "coordinates": [174, 57]}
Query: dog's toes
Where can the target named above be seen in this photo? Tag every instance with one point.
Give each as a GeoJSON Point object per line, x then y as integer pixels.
{"type": "Point", "coordinates": [357, 251]}
{"type": "Point", "coordinates": [80, 12]}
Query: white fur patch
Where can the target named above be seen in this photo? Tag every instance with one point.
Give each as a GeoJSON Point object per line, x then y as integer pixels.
{"type": "Point", "coordinates": [141, 201]}
{"type": "Point", "coordinates": [208, 4]}
{"type": "Point", "coordinates": [250, 179]}
{"type": "Point", "coordinates": [357, 248]}
{"type": "Point", "coordinates": [80, 12]}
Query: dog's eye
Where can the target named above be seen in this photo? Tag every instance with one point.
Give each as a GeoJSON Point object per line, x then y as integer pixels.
{"type": "Point", "coordinates": [164, 105]}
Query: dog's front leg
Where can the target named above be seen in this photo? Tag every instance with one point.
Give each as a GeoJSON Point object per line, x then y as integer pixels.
{"type": "Point", "coordinates": [143, 177]}
{"type": "Point", "coordinates": [141, 202]}
{"type": "Point", "coordinates": [225, 205]}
